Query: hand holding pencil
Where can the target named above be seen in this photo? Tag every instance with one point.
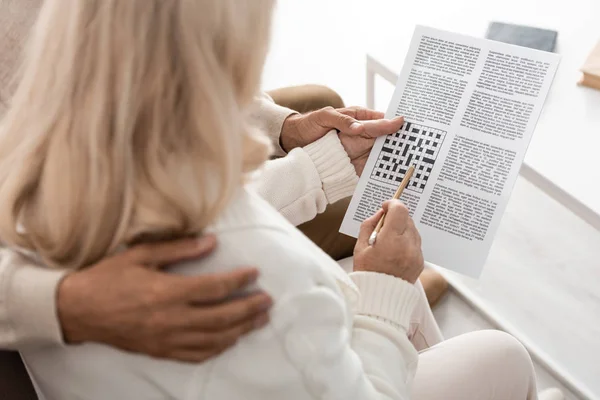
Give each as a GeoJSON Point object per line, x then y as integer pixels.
{"type": "Point", "coordinates": [397, 251]}
{"type": "Point", "coordinates": [397, 195]}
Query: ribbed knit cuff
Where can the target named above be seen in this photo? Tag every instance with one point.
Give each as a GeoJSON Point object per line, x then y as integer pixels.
{"type": "Point", "coordinates": [334, 167]}
{"type": "Point", "coordinates": [31, 305]}
{"type": "Point", "coordinates": [385, 297]}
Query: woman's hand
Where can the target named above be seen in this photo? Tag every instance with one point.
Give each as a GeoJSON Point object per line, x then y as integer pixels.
{"type": "Point", "coordinates": [397, 250]}
{"type": "Point", "coordinates": [125, 301]}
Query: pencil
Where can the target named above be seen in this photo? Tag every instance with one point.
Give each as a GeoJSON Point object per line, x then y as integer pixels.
{"type": "Point", "coordinates": [397, 195]}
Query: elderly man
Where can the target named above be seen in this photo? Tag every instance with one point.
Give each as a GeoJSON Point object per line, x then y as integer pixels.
{"type": "Point", "coordinates": [145, 310]}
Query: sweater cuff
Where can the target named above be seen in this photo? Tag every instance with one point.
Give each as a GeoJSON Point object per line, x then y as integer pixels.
{"type": "Point", "coordinates": [269, 117]}
{"type": "Point", "coordinates": [385, 298]}
{"type": "Point", "coordinates": [337, 174]}
{"type": "Point", "coordinates": [31, 305]}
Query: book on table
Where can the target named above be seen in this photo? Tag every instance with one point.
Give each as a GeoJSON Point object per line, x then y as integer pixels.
{"type": "Point", "coordinates": [591, 69]}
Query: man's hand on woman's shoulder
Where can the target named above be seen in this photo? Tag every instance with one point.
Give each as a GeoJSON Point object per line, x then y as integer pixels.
{"type": "Point", "coordinates": [125, 301]}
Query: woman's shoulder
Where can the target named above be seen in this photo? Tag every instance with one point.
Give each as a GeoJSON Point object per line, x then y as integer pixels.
{"type": "Point", "coordinates": [248, 211]}
{"type": "Point", "coordinates": [252, 233]}
{"type": "Point", "coordinates": [266, 239]}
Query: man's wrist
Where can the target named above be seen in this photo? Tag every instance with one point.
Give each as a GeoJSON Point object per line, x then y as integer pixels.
{"type": "Point", "coordinates": [269, 117]}
{"type": "Point", "coordinates": [67, 306]}
{"type": "Point", "coordinates": [288, 140]}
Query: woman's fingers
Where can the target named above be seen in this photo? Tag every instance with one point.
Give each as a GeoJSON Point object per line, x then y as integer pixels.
{"type": "Point", "coordinates": [397, 251]}
{"type": "Point", "coordinates": [368, 226]}
{"type": "Point", "coordinates": [413, 232]}
{"type": "Point", "coordinates": [396, 220]}
{"type": "Point", "coordinates": [396, 217]}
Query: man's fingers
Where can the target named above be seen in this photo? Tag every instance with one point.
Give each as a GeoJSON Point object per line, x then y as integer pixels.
{"type": "Point", "coordinates": [199, 347]}
{"type": "Point", "coordinates": [361, 113]}
{"type": "Point", "coordinates": [332, 119]}
{"type": "Point", "coordinates": [212, 288]}
{"type": "Point", "coordinates": [368, 226]}
{"type": "Point", "coordinates": [222, 339]}
{"type": "Point", "coordinates": [192, 355]}
{"type": "Point", "coordinates": [231, 335]}
{"type": "Point", "coordinates": [373, 122]}
{"type": "Point", "coordinates": [396, 217]}
{"type": "Point", "coordinates": [165, 253]}
{"type": "Point", "coordinates": [226, 315]}
{"type": "Point", "coordinates": [383, 127]}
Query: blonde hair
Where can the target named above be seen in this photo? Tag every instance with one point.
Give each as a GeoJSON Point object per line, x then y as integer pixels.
{"type": "Point", "coordinates": [129, 122]}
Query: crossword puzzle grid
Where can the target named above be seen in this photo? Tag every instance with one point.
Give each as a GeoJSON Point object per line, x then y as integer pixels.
{"type": "Point", "coordinates": [413, 144]}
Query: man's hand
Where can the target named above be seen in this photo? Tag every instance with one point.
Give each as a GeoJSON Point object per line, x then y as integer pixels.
{"type": "Point", "coordinates": [397, 250]}
{"type": "Point", "coordinates": [124, 301]}
{"type": "Point", "coordinates": [358, 127]}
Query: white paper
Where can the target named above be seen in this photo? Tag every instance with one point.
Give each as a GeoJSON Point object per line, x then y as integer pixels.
{"type": "Point", "coordinates": [471, 107]}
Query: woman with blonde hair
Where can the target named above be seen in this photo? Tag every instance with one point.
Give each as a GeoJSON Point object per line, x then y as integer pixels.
{"type": "Point", "coordinates": [130, 125]}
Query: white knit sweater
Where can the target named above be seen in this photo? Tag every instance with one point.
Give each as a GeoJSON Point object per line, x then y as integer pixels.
{"type": "Point", "coordinates": [299, 185]}
{"type": "Point", "coordinates": [330, 335]}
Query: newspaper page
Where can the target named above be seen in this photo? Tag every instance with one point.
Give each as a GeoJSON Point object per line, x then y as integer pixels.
{"type": "Point", "coordinates": [471, 106]}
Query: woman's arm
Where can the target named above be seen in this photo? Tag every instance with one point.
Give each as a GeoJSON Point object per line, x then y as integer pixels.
{"type": "Point", "coordinates": [323, 342]}
{"type": "Point", "coordinates": [301, 184]}
{"type": "Point", "coordinates": [315, 347]}
{"type": "Point", "coordinates": [373, 361]}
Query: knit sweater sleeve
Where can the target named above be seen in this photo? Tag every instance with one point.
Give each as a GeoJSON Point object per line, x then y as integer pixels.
{"type": "Point", "coordinates": [27, 303]}
{"type": "Point", "coordinates": [269, 118]}
{"type": "Point", "coordinates": [319, 344]}
{"type": "Point", "coordinates": [374, 360]}
{"type": "Point", "coordinates": [301, 184]}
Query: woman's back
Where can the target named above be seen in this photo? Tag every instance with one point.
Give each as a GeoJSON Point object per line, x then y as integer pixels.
{"type": "Point", "coordinates": [267, 364]}
{"type": "Point", "coordinates": [130, 123]}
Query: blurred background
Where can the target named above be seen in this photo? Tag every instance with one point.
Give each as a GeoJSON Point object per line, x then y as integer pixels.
{"type": "Point", "coordinates": [326, 41]}
{"type": "Point", "coordinates": [542, 279]}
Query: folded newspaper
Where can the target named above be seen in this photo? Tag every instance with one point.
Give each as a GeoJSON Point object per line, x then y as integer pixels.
{"type": "Point", "coordinates": [471, 106]}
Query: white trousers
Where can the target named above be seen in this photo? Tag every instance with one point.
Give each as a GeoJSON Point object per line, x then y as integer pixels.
{"type": "Point", "coordinates": [482, 365]}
